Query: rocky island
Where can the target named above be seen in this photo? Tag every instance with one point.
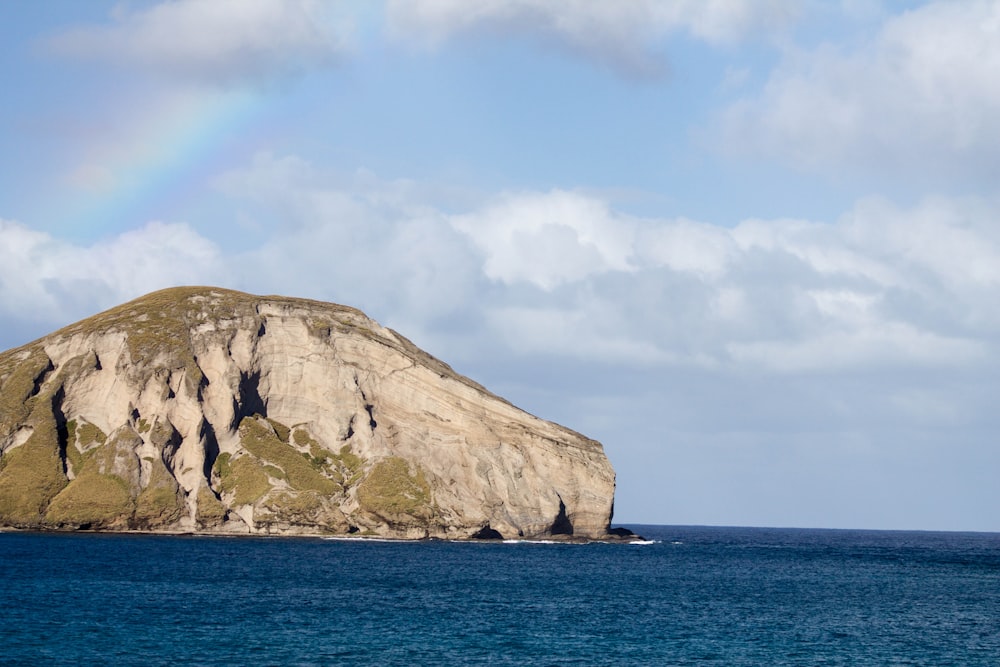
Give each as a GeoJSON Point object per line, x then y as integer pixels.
{"type": "Point", "coordinates": [204, 410]}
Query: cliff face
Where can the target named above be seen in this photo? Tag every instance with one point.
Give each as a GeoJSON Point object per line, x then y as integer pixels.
{"type": "Point", "coordinates": [201, 409]}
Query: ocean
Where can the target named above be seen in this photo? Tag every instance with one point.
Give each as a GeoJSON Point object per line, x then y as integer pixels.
{"type": "Point", "coordinates": [687, 596]}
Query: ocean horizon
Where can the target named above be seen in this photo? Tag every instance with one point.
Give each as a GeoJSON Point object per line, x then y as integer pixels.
{"type": "Point", "coordinates": [686, 595]}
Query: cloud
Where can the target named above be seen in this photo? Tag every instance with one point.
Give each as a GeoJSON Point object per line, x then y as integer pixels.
{"type": "Point", "coordinates": [624, 36]}
{"type": "Point", "coordinates": [52, 282]}
{"type": "Point", "coordinates": [355, 239]}
{"type": "Point", "coordinates": [214, 41]}
{"type": "Point", "coordinates": [921, 97]}
{"type": "Point", "coordinates": [564, 275]}
{"type": "Point", "coordinates": [546, 239]}
{"type": "Point", "coordinates": [880, 287]}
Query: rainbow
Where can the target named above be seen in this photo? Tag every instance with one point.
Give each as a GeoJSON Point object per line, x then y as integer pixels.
{"type": "Point", "coordinates": [165, 159]}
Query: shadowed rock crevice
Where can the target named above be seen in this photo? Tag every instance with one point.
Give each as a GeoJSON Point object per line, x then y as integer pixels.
{"type": "Point", "coordinates": [41, 378]}
{"type": "Point", "coordinates": [202, 383]}
{"type": "Point", "coordinates": [211, 447]}
{"type": "Point", "coordinates": [167, 441]}
{"type": "Point", "coordinates": [62, 429]}
{"type": "Point", "coordinates": [250, 402]}
{"type": "Point", "coordinates": [562, 525]}
{"type": "Point", "coordinates": [369, 406]}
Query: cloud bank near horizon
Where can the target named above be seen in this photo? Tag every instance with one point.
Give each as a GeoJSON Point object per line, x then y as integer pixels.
{"type": "Point", "coordinates": [564, 273]}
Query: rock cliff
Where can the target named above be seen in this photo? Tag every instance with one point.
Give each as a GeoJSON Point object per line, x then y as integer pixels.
{"type": "Point", "coordinates": [207, 410]}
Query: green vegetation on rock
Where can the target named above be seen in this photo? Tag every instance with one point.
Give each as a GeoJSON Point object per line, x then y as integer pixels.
{"type": "Point", "coordinates": [390, 490]}
{"type": "Point", "coordinates": [88, 434]}
{"type": "Point", "coordinates": [280, 430]}
{"type": "Point", "coordinates": [294, 507]}
{"type": "Point", "coordinates": [351, 466]}
{"type": "Point", "coordinates": [318, 457]}
{"type": "Point", "coordinates": [345, 467]}
{"type": "Point", "coordinates": [93, 500]}
{"type": "Point", "coordinates": [32, 474]}
{"type": "Point", "coordinates": [302, 438]}
{"type": "Point", "coordinates": [318, 328]}
{"type": "Point", "coordinates": [74, 457]}
{"type": "Point", "coordinates": [161, 503]}
{"type": "Point", "coordinates": [157, 333]}
{"type": "Point", "coordinates": [103, 493]}
{"type": "Point", "coordinates": [223, 465]}
{"type": "Point", "coordinates": [19, 379]}
{"type": "Point", "coordinates": [274, 472]}
{"type": "Point", "coordinates": [260, 440]}
{"type": "Point", "coordinates": [79, 439]}
{"type": "Point", "coordinates": [210, 510]}
{"type": "Point", "coordinates": [243, 477]}
{"type": "Point", "coordinates": [305, 508]}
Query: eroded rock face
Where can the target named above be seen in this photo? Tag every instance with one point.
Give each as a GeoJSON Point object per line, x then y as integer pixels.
{"type": "Point", "coordinates": [201, 409]}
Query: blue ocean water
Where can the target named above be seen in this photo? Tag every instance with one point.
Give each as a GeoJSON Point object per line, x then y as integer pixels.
{"type": "Point", "coordinates": [693, 596]}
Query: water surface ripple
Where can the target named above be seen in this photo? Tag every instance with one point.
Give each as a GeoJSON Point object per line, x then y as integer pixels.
{"type": "Point", "coordinates": [695, 596]}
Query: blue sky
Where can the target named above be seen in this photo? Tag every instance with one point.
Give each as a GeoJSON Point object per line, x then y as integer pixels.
{"type": "Point", "coordinates": [753, 246]}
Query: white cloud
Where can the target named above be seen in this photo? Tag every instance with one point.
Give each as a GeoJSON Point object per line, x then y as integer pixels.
{"type": "Point", "coordinates": [957, 241]}
{"type": "Point", "coordinates": [921, 97]}
{"type": "Point", "coordinates": [355, 239]}
{"type": "Point", "coordinates": [872, 344]}
{"type": "Point", "coordinates": [623, 35]}
{"type": "Point", "coordinates": [584, 332]}
{"type": "Point", "coordinates": [548, 239]}
{"type": "Point", "coordinates": [882, 286]}
{"type": "Point", "coordinates": [50, 281]}
{"type": "Point", "coordinates": [216, 41]}
{"type": "Point", "coordinates": [686, 246]}
{"type": "Point", "coordinates": [564, 274]}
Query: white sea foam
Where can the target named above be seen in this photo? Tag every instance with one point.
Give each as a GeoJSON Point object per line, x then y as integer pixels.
{"type": "Point", "coordinates": [341, 538]}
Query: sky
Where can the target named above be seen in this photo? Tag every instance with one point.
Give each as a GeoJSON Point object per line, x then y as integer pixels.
{"type": "Point", "coordinates": [752, 246]}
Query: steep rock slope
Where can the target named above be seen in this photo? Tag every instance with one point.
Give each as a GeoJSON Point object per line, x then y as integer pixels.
{"type": "Point", "coordinates": [202, 409]}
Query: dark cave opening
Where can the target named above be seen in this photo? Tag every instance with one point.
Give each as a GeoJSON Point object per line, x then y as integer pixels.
{"type": "Point", "coordinates": [487, 533]}
{"type": "Point", "coordinates": [562, 525]}
{"type": "Point", "coordinates": [250, 402]}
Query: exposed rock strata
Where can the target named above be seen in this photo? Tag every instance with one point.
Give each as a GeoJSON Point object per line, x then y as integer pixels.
{"type": "Point", "coordinates": [201, 409]}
